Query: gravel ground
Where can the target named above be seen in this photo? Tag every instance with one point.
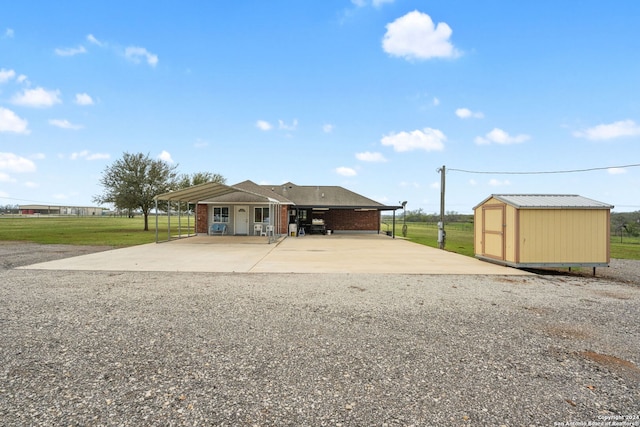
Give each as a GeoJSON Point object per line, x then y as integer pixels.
{"type": "Point", "coordinates": [186, 349]}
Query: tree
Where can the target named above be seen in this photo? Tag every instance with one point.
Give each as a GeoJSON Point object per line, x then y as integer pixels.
{"type": "Point", "coordinates": [200, 178]}
{"type": "Point", "coordinates": [133, 181]}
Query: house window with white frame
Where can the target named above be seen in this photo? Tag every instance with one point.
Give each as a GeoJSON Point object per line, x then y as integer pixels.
{"type": "Point", "coordinates": [221, 214]}
{"type": "Point", "coordinates": [261, 215]}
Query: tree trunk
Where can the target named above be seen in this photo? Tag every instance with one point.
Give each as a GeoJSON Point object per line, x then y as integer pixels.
{"type": "Point", "coordinates": [146, 221]}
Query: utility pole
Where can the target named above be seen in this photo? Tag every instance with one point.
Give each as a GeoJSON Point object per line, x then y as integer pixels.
{"type": "Point", "coordinates": [441, 233]}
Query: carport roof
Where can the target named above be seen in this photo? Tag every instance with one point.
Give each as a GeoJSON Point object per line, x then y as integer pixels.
{"type": "Point", "coordinates": [200, 192]}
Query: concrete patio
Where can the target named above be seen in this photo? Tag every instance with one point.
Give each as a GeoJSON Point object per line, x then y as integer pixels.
{"type": "Point", "coordinates": [365, 253]}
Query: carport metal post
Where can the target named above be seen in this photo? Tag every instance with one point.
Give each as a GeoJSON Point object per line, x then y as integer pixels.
{"type": "Point", "coordinates": [168, 220]}
{"type": "Point", "coordinates": [156, 200]}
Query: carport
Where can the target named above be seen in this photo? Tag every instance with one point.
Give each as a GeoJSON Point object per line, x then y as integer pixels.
{"type": "Point", "coordinates": [197, 193]}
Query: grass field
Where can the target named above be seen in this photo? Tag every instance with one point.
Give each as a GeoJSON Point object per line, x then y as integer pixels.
{"type": "Point", "coordinates": [110, 231]}
{"type": "Point", "coordinates": [460, 239]}
{"type": "Point", "coordinates": [122, 231]}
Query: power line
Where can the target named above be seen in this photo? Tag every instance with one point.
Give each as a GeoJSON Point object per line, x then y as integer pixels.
{"type": "Point", "coordinates": [544, 172]}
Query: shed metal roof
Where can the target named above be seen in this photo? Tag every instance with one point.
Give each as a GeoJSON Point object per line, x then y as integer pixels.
{"type": "Point", "coordinates": [549, 201]}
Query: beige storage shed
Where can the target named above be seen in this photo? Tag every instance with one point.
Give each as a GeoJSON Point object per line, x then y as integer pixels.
{"type": "Point", "coordinates": [542, 230]}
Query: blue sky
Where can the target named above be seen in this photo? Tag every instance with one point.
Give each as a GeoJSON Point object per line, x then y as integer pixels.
{"type": "Point", "coordinates": [372, 95]}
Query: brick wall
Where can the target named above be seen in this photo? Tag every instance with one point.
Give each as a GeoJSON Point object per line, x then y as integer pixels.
{"type": "Point", "coordinates": [349, 219]}
{"type": "Point", "coordinates": [284, 220]}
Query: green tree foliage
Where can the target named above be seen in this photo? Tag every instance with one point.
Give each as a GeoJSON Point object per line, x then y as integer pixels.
{"type": "Point", "coordinates": [197, 178]}
{"type": "Point", "coordinates": [133, 181]}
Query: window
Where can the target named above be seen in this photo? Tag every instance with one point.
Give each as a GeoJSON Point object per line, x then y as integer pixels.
{"type": "Point", "coordinates": [261, 215]}
{"type": "Point", "coordinates": [221, 214]}
{"type": "Point", "coordinates": [302, 215]}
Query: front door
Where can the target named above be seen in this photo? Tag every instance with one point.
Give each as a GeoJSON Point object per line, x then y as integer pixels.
{"type": "Point", "coordinates": [493, 231]}
{"type": "Point", "coordinates": [241, 221]}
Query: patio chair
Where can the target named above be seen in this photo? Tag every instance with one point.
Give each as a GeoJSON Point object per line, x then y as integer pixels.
{"type": "Point", "coordinates": [257, 230]}
{"type": "Point", "coordinates": [218, 228]}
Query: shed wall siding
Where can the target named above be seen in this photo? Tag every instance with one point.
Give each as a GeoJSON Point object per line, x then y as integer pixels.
{"type": "Point", "coordinates": [512, 219]}
{"type": "Point", "coordinates": [563, 236]}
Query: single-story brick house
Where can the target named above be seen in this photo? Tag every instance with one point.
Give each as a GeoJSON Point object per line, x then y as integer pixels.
{"type": "Point", "coordinates": [248, 208]}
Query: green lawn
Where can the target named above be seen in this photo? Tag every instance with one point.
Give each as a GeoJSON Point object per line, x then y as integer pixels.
{"type": "Point", "coordinates": [460, 238]}
{"type": "Point", "coordinates": [122, 231]}
{"type": "Point", "coordinates": [110, 231]}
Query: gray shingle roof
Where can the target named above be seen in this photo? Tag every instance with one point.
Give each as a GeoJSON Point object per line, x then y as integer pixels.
{"type": "Point", "coordinates": [322, 196]}
{"type": "Point", "coordinates": [550, 201]}
{"type": "Point", "coordinates": [289, 193]}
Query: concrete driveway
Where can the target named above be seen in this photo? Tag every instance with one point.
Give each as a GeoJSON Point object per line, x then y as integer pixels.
{"type": "Point", "coordinates": [366, 253]}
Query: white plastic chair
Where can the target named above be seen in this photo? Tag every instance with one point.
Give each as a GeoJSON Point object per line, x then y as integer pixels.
{"type": "Point", "coordinates": [257, 229]}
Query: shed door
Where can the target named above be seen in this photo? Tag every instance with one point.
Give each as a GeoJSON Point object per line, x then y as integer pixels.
{"type": "Point", "coordinates": [493, 217]}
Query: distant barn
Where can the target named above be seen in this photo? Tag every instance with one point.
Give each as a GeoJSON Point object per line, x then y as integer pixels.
{"type": "Point", "coordinates": [533, 230]}
{"type": "Point", "coordinates": [60, 210]}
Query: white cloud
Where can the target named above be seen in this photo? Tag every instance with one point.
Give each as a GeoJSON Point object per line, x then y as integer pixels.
{"type": "Point", "coordinates": [327, 128]}
{"type": "Point", "coordinates": [610, 131]}
{"type": "Point", "coordinates": [64, 124]}
{"type": "Point", "coordinates": [70, 51]}
{"type": "Point", "coordinates": [414, 36]}
{"type": "Point", "coordinates": [38, 156]}
{"type": "Point", "coordinates": [83, 99]}
{"type": "Point", "coordinates": [9, 33]}
{"type": "Point", "coordinates": [616, 171]}
{"type": "Point", "coordinates": [165, 156]}
{"type": "Point", "coordinates": [5, 177]}
{"type": "Point", "coordinates": [6, 75]}
{"type": "Point", "coordinates": [497, 183]}
{"type": "Point", "coordinates": [37, 97]}
{"type": "Point", "coordinates": [91, 39]}
{"type": "Point", "coordinates": [87, 155]}
{"type": "Point", "coordinates": [79, 155]}
{"type": "Point", "coordinates": [374, 3]}
{"type": "Point", "coordinates": [473, 182]}
{"type": "Point", "coordinates": [368, 156]}
{"type": "Point", "coordinates": [14, 163]}
{"type": "Point", "coordinates": [498, 136]}
{"type": "Point", "coordinates": [98, 156]}
{"type": "Point", "coordinates": [282, 125]}
{"type": "Point", "coordinates": [427, 139]}
{"type": "Point", "coordinates": [31, 184]}
{"type": "Point", "coordinates": [134, 54]}
{"type": "Point", "coordinates": [465, 113]}
{"type": "Point", "coordinates": [436, 101]}
{"type": "Point", "coordinates": [263, 125]}
{"type": "Point", "coordinates": [344, 171]}
{"type": "Point", "coordinates": [22, 79]}
{"type": "Point", "coordinates": [10, 122]}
